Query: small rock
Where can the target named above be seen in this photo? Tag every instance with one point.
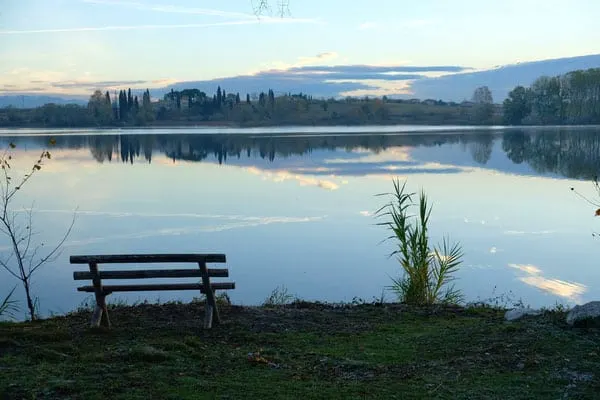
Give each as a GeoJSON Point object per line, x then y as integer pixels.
{"type": "Point", "coordinates": [582, 314]}
{"type": "Point", "coordinates": [518, 313]}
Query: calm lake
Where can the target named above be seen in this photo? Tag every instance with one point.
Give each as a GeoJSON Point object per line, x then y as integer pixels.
{"type": "Point", "coordinates": [294, 206]}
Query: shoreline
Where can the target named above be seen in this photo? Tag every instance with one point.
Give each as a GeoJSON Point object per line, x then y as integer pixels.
{"type": "Point", "coordinates": [289, 130]}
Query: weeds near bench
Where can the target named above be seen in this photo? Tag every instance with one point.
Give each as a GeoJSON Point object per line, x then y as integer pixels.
{"type": "Point", "coordinates": [280, 296]}
{"type": "Point", "coordinates": [427, 271]}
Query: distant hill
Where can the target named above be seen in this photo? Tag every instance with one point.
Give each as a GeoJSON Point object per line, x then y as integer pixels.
{"type": "Point", "coordinates": [30, 101]}
{"type": "Point", "coordinates": [458, 87]}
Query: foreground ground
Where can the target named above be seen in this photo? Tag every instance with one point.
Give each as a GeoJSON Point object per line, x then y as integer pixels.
{"type": "Point", "coordinates": [300, 351]}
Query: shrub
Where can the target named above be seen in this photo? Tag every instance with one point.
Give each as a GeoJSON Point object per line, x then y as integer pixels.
{"type": "Point", "coordinates": [427, 271]}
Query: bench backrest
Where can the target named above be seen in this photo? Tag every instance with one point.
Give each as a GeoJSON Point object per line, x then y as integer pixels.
{"type": "Point", "coordinates": [96, 276]}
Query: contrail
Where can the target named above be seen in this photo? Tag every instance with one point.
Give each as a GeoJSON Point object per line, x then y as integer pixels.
{"type": "Point", "coordinates": [171, 9]}
{"type": "Point", "coordinates": [152, 27]}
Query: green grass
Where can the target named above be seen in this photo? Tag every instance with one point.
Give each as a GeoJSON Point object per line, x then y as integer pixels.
{"type": "Point", "coordinates": [303, 350]}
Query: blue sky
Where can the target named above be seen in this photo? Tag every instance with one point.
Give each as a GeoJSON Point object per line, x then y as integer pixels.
{"type": "Point", "coordinates": [71, 46]}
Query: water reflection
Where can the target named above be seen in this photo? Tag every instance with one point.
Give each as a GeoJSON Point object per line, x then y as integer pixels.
{"type": "Point", "coordinates": [533, 276]}
{"type": "Point", "coordinates": [563, 152]}
{"type": "Point", "coordinates": [298, 210]}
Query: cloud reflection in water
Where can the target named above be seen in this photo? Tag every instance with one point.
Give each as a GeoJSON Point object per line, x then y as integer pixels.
{"type": "Point", "coordinates": [568, 290]}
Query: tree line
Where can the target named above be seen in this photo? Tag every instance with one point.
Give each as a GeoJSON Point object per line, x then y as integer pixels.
{"type": "Point", "coordinates": [573, 98]}
{"type": "Point", "coordinates": [194, 107]}
{"type": "Point", "coordinates": [569, 99]}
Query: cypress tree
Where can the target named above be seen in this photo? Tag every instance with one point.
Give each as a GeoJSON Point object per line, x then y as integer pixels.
{"type": "Point", "coordinates": [136, 104]}
{"type": "Point", "coordinates": [129, 100]}
{"type": "Point", "coordinates": [219, 96]}
{"type": "Point", "coordinates": [237, 98]}
{"type": "Point", "coordinates": [262, 99]}
{"type": "Point", "coordinates": [224, 96]}
{"type": "Point", "coordinates": [107, 98]}
{"type": "Point", "coordinates": [271, 98]}
{"type": "Point", "coordinates": [115, 107]}
{"type": "Point", "coordinates": [248, 98]}
{"type": "Point", "coordinates": [146, 104]}
{"type": "Point", "coordinates": [122, 105]}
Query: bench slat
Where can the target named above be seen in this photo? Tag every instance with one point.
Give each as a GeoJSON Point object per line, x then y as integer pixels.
{"type": "Point", "coordinates": [147, 258]}
{"type": "Point", "coordinates": [157, 273]}
{"type": "Point", "coordinates": [158, 287]}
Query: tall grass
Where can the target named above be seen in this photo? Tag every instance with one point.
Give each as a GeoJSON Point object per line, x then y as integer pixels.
{"type": "Point", "coordinates": [427, 271]}
{"type": "Point", "coordinates": [8, 307]}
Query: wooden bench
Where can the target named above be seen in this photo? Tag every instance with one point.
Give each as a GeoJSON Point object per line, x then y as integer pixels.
{"type": "Point", "coordinates": [100, 315]}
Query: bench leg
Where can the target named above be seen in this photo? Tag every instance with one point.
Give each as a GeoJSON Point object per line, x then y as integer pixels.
{"type": "Point", "coordinates": [216, 315]}
{"type": "Point", "coordinates": [105, 320]}
{"type": "Point", "coordinates": [100, 311]}
{"type": "Point", "coordinates": [100, 315]}
{"type": "Point", "coordinates": [96, 316]}
{"type": "Point", "coordinates": [211, 311]}
{"type": "Point", "coordinates": [208, 316]}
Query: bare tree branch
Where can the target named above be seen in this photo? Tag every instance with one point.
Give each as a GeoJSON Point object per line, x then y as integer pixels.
{"type": "Point", "coordinates": [55, 252]}
{"type": "Point", "coordinates": [10, 271]}
{"type": "Point", "coordinates": [23, 249]}
{"type": "Point", "coordinates": [29, 230]}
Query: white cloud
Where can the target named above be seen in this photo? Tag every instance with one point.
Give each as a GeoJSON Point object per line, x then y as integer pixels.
{"type": "Point", "coordinates": [379, 87]}
{"type": "Point", "coordinates": [323, 58]}
{"type": "Point", "coordinates": [493, 250]}
{"type": "Point", "coordinates": [67, 82]}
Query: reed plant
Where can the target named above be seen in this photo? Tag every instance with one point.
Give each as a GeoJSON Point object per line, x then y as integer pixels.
{"type": "Point", "coordinates": [427, 271]}
{"type": "Point", "coordinates": [9, 307]}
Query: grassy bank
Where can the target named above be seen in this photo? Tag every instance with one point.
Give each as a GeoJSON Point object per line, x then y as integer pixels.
{"type": "Point", "coordinates": [303, 350]}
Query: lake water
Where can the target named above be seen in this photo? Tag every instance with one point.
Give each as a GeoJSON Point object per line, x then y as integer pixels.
{"type": "Point", "coordinates": [293, 206]}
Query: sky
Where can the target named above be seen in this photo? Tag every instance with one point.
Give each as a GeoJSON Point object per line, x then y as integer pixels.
{"type": "Point", "coordinates": [75, 46]}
